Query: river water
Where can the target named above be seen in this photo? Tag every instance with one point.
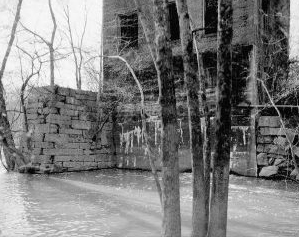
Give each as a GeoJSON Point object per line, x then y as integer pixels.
{"type": "Point", "coordinates": [125, 204]}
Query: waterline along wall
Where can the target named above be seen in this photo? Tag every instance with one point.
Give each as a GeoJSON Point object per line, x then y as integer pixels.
{"type": "Point", "coordinates": [63, 123]}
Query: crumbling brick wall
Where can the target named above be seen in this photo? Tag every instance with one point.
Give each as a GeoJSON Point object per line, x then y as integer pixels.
{"type": "Point", "coordinates": [62, 123]}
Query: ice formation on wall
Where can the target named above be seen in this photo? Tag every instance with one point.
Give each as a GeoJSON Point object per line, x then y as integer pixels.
{"type": "Point", "coordinates": [244, 130]}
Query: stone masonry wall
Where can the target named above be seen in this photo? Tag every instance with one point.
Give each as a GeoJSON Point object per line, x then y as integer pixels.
{"type": "Point", "coordinates": [62, 123]}
{"type": "Point", "coordinates": [273, 150]}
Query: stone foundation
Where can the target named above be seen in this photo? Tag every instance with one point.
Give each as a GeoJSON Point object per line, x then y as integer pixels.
{"type": "Point", "coordinates": [273, 150]}
{"type": "Point", "coordinates": [62, 123]}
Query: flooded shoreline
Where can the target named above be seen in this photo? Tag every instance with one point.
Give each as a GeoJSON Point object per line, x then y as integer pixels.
{"type": "Point", "coordinates": [125, 203]}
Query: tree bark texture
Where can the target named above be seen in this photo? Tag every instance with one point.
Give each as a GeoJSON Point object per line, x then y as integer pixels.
{"type": "Point", "coordinates": [207, 133]}
{"type": "Point", "coordinates": [219, 194]}
{"type": "Point", "coordinates": [192, 89]}
{"type": "Point", "coordinates": [171, 226]}
{"type": "Point", "coordinates": [5, 130]}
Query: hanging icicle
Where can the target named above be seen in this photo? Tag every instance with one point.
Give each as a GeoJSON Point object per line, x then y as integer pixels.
{"type": "Point", "coordinates": [137, 132]}
{"type": "Point", "coordinates": [181, 130]}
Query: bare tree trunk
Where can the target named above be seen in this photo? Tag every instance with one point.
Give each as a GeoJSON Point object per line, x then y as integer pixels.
{"type": "Point", "coordinates": [171, 226]}
{"type": "Point", "coordinates": [51, 44]}
{"type": "Point", "coordinates": [4, 123]}
{"type": "Point", "coordinates": [219, 194]}
{"type": "Point", "coordinates": [207, 138]}
{"type": "Point", "coordinates": [192, 86]}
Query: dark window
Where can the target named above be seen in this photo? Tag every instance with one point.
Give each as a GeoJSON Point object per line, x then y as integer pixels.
{"type": "Point", "coordinates": [128, 30]}
{"type": "Point", "coordinates": [210, 67]}
{"type": "Point", "coordinates": [211, 16]}
{"type": "Point", "coordinates": [174, 22]}
{"type": "Point", "coordinates": [265, 15]}
{"type": "Point", "coordinates": [266, 6]}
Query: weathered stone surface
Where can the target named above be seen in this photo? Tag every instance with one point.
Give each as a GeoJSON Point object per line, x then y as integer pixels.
{"type": "Point", "coordinates": [88, 116]}
{"type": "Point", "coordinates": [34, 116]}
{"type": "Point", "coordinates": [41, 159]}
{"type": "Point", "coordinates": [274, 149]}
{"type": "Point", "coordinates": [36, 151]}
{"type": "Point", "coordinates": [46, 128]}
{"type": "Point", "coordinates": [77, 124]}
{"type": "Point", "coordinates": [77, 138]}
{"type": "Point", "coordinates": [73, 101]}
{"type": "Point", "coordinates": [57, 138]}
{"type": "Point", "coordinates": [63, 151]}
{"type": "Point", "coordinates": [90, 164]}
{"type": "Point", "coordinates": [69, 112]}
{"type": "Point", "coordinates": [262, 159]}
{"type": "Point", "coordinates": [70, 131]}
{"type": "Point", "coordinates": [296, 151]}
{"type": "Point", "coordinates": [38, 137]}
{"type": "Point", "coordinates": [76, 164]}
{"type": "Point", "coordinates": [37, 121]}
{"type": "Point", "coordinates": [62, 105]}
{"type": "Point", "coordinates": [35, 105]}
{"type": "Point", "coordinates": [294, 173]}
{"type": "Point", "coordinates": [281, 141]}
{"type": "Point", "coordinates": [43, 144]}
{"type": "Point", "coordinates": [269, 171]}
{"type": "Point", "coordinates": [63, 91]}
{"type": "Point", "coordinates": [278, 162]}
{"type": "Point", "coordinates": [269, 121]}
{"type": "Point", "coordinates": [265, 139]}
{"type": "Point", "coordinates": [58, 117]}
{"type": "Point", "coordinates": [270, 131]}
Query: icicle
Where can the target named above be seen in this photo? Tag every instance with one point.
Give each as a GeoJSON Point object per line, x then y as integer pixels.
{"type": "Point", "coordinates": [127, 140]}
{"type": "Point", "coordinates": [181, 131]}
{"type": "Point", "coordinates": [156, 132]}
{"type": "Point", "coordinates": [244, 135]}
{"type": "Point", "coordinates": [145, 150]}
{"type": "Point", "coordinates": [135, 160]}
{"type": "Point", "coordinates": [234, 147]}
{"type": "Point", "coordinates": [142, 136]}
{"type": "Point", "coordinates": [137, 132]}
{"type": "Point", "coordinates": [121, 137]}
{"type": "Point", "coordinates": [132, 140]}
{"type": "Point", "coordinates": [120, 165]}
{"type": "Point", "coordinates": [244, 129]}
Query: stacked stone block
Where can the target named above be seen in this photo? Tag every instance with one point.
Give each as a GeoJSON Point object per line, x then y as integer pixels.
{"type": "Point", "coordinates": [63, 124]}
{"type": "Point", "coordinates": [273, 153]}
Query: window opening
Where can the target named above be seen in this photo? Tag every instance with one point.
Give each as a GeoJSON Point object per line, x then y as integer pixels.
{"type": "Point", "coordinates": [128, 30]}
{"type": "Point", "coordinates": [174, 22]}
{"type": "Point", "coordinates": [211, 16]}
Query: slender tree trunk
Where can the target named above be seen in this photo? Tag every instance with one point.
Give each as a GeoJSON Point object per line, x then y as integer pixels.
{"type": "Point", "coordinates": [207, 137]}
{"type": "Point", "coordinates": [171, 226]}
{"type": "Point", "coordinates": [51, 44]}
{"type": "Point", "coordinates": [219, 194]}
{"type": "Point", "coordinates": [192, 86]}
{"type": "Point", "coordinates": [5, 130]}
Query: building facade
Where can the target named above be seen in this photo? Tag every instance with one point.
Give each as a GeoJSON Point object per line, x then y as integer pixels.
{"type": "Point", "coordinates": [260, 50]}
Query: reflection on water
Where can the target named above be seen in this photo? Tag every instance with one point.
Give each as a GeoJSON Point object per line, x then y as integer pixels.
{"type": "Point", "coordinates": [117, 203]}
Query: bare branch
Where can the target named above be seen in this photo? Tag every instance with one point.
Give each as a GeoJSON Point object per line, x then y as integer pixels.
{"type": "Point", "coordinates": [11, 40]}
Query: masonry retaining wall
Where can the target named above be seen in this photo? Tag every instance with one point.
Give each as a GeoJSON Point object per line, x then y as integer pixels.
{"type": "Point", "coordinates": [62, 123]}
{"type": "Point", "coordinates": [273, 147]}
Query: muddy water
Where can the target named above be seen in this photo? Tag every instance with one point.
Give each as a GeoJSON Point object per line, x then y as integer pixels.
{"type": "Point", "coordinates": [123, 204]}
